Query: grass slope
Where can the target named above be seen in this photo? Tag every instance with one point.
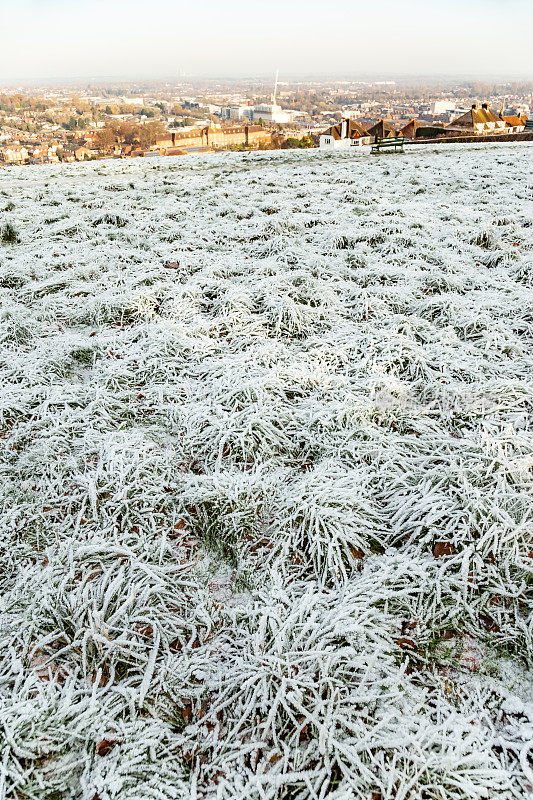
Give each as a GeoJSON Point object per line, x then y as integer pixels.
{"type": "Point", "coordinates": [266, 521]}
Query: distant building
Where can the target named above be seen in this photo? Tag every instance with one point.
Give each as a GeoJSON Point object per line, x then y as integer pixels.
{"type": "Point", "coordinates": [346, 134]}
{"type": "Point", "coordinates": [82, 153]}
{"type": "Point", "coordinates": [73, 152]}
{"type": "Point", "coordinates": [13, 154]}
{"type": "Point", "coordinates": [236, 112]}
{"type": "Point", "coordinates": [271, 113]}
{"type": "Point", "coordinates": [478, 122]}
{"type": "Point", "coordinates": [278, 137]}
{"type": "Point", "coordinates": [247, 135]}
{"type": "Point", "coordinates": [90, 137]}
{"type": "Point", "coordinates": [443, 107]}
{"type": "Point", "coordinates": [188, 138]}
{"type": "Point", "coordinates": [215, 137]}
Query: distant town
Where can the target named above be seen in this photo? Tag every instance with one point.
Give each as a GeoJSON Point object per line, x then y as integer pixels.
{"type": "Point", "coordinates": [43, 125]}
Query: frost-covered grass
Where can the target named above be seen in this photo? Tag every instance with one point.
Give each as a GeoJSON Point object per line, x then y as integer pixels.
{"type": "Point", "coordinates": [266, 521]}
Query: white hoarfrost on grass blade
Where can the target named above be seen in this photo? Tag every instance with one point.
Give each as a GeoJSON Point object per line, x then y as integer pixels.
{"type": "Point", "coordinates": [266, 477]}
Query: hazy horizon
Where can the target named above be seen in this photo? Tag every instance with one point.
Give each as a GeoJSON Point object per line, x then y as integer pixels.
{"type": "Point", "coordinates": [55, 41]}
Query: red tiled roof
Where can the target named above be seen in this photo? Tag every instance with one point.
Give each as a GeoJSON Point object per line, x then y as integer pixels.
{"type": "Point", "coordinates": [514, 120]}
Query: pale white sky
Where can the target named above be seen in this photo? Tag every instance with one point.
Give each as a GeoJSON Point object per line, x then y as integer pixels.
{"type": "Point", "coordinates": [44, 39]}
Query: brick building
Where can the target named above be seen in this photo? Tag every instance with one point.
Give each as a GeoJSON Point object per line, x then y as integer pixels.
{"type": "Point", "coordinates": [215, 138]}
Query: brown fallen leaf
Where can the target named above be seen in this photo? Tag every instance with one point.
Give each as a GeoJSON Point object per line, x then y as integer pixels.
{"type": "Point", "coordinates": [443, 549]}
{"type": "Point", "coordinates": [144, 630]}
{"type": "Point", "coordinates": [356, 552]}
{"type": "Point", "coordinates": [447, 634]}
{"type": "Point", "coordinates": [45, 667]}
{"type": "Point", "coordinates": [187, 712]}
{"type": "Point", "coordinates": [105, 745]}
{"type": "Point", "coordinates": [406, 643]}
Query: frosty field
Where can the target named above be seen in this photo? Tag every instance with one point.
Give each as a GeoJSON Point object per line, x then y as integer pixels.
{"type": "Point", "coordinates": [266, 470]}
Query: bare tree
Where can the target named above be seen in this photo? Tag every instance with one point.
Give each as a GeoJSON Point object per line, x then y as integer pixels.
{"type": "Point", "coordinates": [150, 132]}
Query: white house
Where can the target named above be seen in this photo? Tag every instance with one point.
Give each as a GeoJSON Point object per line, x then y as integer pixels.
{"type": "Point", "coordinates": [347, 134]}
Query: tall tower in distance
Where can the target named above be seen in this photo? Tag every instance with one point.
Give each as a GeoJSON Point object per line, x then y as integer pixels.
{"type": "Point", "coordinates": [271, 112]}
{"type": "Point", "coordinates": [275, 88]}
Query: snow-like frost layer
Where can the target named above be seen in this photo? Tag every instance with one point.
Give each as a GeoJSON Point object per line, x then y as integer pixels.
{"type": "Point", "coordinates": [266, 517]}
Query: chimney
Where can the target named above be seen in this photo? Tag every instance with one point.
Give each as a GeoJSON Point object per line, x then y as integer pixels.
{"type": "Point", "coordinates": [344, 134]}
{"type": "Point", "coordinates": [485, 105]}
{"type": "Point", "coordinates": [474, 106]}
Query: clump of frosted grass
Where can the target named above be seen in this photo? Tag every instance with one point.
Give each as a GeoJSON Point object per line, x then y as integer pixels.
{"type": "Point", "coordinates": [9, 234]}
